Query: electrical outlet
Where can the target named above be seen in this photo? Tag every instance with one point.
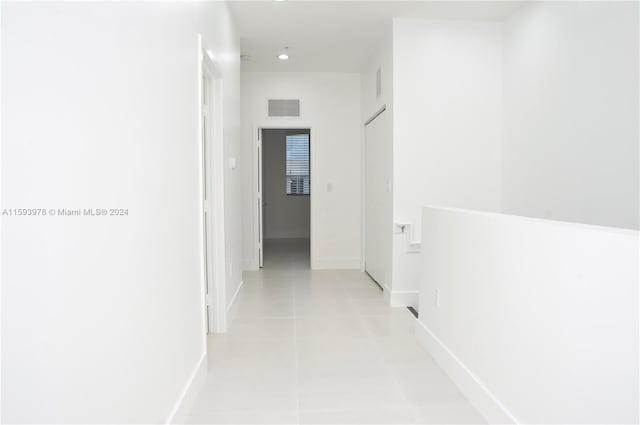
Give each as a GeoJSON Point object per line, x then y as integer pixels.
{"type": "Point", "coordinates": [437, 298]}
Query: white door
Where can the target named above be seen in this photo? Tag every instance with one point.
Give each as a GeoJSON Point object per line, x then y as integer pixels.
{"type": "Point", "coordinates": [206, 199]}
{"type": "Point", "coordinates": [213, 192]}
{"type": "Point", "coordinates": [260, 203]}
{"type": "Point", "coordinates": [378, 200]}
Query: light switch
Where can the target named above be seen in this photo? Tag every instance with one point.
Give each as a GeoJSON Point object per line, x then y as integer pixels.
{"type": "Point", "coordinates": [329, 187]}
{"type": "Point", "coordinates": [232, 163]}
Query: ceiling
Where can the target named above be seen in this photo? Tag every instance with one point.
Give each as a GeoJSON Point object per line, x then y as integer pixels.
{"type": "Point", "coordinates": [333, 35]}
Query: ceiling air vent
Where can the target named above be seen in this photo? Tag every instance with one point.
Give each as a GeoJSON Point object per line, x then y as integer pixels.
{"type": "Point", "coordinates": [283, 107]}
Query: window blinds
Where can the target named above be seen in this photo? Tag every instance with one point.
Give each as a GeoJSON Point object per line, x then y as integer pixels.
{"type": "Point", "coordinates": [298, 182]}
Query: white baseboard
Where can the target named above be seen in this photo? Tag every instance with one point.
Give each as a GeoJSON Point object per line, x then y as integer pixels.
{"type": "Point", "coordinates": [386, 294]}
{"type": "Point", "coordinates": [403, 298]}
{"type": "Point", "coordinates": [336, 264]}
{"type": "Point", "coordinates": [400, 298]}
{"type": "Point", "coordinates": [471, 387]}
{"type": "Point", "coordinates": [180, 412]}
{"type": "Point", "coordinates": [232, 308]}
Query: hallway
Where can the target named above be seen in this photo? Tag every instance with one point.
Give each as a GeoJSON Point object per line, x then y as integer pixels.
{"type": "Point", "coordinates": [321, 347]}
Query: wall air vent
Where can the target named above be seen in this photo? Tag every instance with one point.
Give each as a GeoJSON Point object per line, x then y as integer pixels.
{"type": "Point", "coordinates": [283, 108]}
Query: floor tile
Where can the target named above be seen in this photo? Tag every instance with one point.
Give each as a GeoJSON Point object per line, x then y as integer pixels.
{"type": "Point", "coordinates": [358, 416]}
{"type": "Point", "coordinates": [321, 346]}
{"type": "Point", "coordinates": [265, 308]}
{"type": "Point", "coordinates": [426, 385]}
{"type": "Point", "coordinates": [319, 353]}
{"type": "Point", "coordinates": [251, 390]}
{"type": "Point", "coordinates": [230, 354]}
{"type": "Point", "coordinates": [346, 389]}
{"type": "Point", "coordinates": [452, 413]}
{"type": "Point", "coordinates": [396, 322]}
{"type": "Point", "coordinates": [403, 351]}
{"type": "Point", "coordinates": [262, 328]}
{"type": "Point", "coordinates": [330, 326]}
{"type": "Point", "coordinates": [244, 417]}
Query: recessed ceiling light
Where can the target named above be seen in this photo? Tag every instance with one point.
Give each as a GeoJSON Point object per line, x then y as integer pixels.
{"type": "Point", "coordinates": [284, 55]}
{"type": "Point", "coordinates": [279, 1]}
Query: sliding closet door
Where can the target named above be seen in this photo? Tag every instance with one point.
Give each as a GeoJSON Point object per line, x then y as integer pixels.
{"type": "Point", "coordinates": [378, 198]}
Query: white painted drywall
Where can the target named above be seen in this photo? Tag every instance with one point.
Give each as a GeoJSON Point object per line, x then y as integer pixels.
{"type": "Point", "coordinates": [284, 216]}
{"type": "Point", "coordinates": [544, 314]}
{"type": "Point", "coordinates": [382, 59]}
{"type": "Point", "coordinates": [330, 105]}
{"type": "Point", "coordinates": [447, 88]}
{"type": "Point", "coordinates": [102, 316]}
{"type": "Point", "coordinates": [571, 140]}
{"type": "Point", "coordinates": [378, 253]}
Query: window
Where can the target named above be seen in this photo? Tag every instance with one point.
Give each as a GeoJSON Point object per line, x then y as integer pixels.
{"type": "Point", "coordinates": [298, 182]}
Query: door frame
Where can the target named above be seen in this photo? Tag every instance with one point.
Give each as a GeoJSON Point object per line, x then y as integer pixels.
{"type": "Point", "coordinates": [258, 169]}
{"type": "Point", "coordinates": [211, 182]}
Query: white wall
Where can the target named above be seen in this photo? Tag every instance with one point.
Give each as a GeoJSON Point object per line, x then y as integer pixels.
{"type": "Point", "coordinates": [284, 216]}
{"type": "Point", "coordinates": [381, 58]}
{"type": "Point", "coordinates": [571, 112]}
{"type": "Point", "coordinates": [102, 316]}
{"type": "Point", "coordinates": [447, 125]}
{"type": "Point", "coordinates": [330, 105]}
{"type": "Point", "coordinates": [540, 324]}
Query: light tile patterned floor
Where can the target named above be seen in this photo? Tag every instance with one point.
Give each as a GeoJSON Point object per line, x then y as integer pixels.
{"type": "Point", "coordinates": [321, 347]}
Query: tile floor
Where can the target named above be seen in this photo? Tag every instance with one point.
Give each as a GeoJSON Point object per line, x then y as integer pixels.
{"type": "Point", "coordinates": [321, 347]}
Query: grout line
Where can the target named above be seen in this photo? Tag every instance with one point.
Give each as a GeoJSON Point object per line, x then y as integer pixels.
{"type": "Point", "coordinates": [295, 351]}
{"type": "Point", "coordinates": [386, 363]}
{"type": "Point", "coordinates": [355, 314]}
{"type": "Point", "coordinates": [388, 369]}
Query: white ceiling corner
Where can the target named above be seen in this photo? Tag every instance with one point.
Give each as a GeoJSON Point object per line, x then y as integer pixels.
{"type": "Point", "coordinates": [334, 35]}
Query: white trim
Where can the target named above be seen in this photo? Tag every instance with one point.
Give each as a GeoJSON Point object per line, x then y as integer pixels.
{"type": "Point", "coordinates": [232, 308]}
{"type": "Point", "coordinates": [402, 298]}
{"type": "Point", "coordinates": [233, 299]}
{"type": "Point", "coordinates": [257, 166]}
{"type": "Point", "coordinates": [386, 294]}
{"type": "Point", "coordinates": [201, 209]}
{"type": "Point", "coordinates": [515, 217]}
{"type": "Point", "coordinates": [260, 197]}
{"type": "Point", "coordinates": [181, 409]}
{"type": "Point", "coordinates": [470, 385]}
{"type": "Point", "coordinates": [336, 264]}
{"type": "Point", "coordinates": [363, 198]}
{"type": "Point", "coordinates": [215, 204]}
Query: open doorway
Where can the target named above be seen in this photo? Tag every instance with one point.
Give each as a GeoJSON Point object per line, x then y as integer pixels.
{"type": "Point", "coordinates": [285, 197]}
